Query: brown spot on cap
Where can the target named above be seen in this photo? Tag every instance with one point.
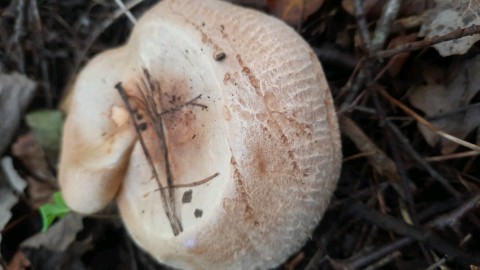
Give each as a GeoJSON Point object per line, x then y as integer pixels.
{"type": "Point", "coordinates": [187, 196]}
{"type": "Point", "coordinates": [142, 126]}
{"type": "Point", "coordinates": [198, 213]}
{"type": "Point", "coordinates": [261, 164]}
{"type": "Point", "coordinates": [219, 56]}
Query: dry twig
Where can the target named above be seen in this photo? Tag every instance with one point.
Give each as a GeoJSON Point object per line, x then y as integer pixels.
{"type": "Point", "coordinates": [427, 124]}
{"type": "Point", "coordinates": [427, 42]}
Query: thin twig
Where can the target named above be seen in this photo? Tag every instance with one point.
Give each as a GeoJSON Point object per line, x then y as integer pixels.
{"type": "Point", "coordinates": [19, 32]}
{"type": "Point", "coordinates": [398, 161]}
{"type": "Point", "coordinates": [362, 260]}
{"type": "Point", "coordinates": [411, 213]}
{"type": "Point", "coordinates": [427, 42]}
{"type": "Point", "coordinates": [453, 156]}
{"type": "Point", "coordinates": [192, 102]}
{"type": "Point", "coordinates": [437, 264]}
{"type": "Point", "coordinates": [387, 259]}
{"type": "Point", "coordinates": [427, 124]}
{"type": "Point", "coordinates": [194, 184]}
{"type": "Point", "coordinates": [454, 216]}
{"type": "Point", "coordinates": [421, 161]}
{"type": "Point", "coordinates": [428, 238]}
{"type": "Point", "coordinates": [97, 32]}
{"type": "Point", "coordinates": [36, 32]}
{"type": "Point", "coordinates": [390, 11]}
{"type": "Point", "coordinates": [362, 24]}
{"type": "Point", "coordinates": [380, 161]}
{"type": "Point", "coordinates": [126, 11]}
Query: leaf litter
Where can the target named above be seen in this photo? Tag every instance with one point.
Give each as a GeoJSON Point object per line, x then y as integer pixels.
{"type": "Point", "coordinates": [447, 102]}
{"type": "Point", "coordinates": [449, 15]}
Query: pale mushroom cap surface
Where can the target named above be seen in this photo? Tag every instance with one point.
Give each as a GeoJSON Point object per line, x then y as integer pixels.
{"type": "Point", "coordinates": [264, 126]}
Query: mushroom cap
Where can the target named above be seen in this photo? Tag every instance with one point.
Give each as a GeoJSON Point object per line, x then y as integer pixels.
{"type": "Point", "coordinates": [243, 104]}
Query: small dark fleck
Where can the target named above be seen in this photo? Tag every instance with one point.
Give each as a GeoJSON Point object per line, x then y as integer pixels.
{"type": "Point", "coordinates": [198, 213]}
{"type": "Point", "coordinates": [103, 134]}
{"type": "Point", "coordinates": [193, 137]}
{"type": "Point", "coordinates": [142, 126]}
{"type": "Point", "coordinates": [223, 27]}
{"type": "Point", "coordinates": [203, 24]}
{"type": "Point", "coordinates": [187, 196]}
{"type": "Point", "coordinates": [143, 211]}
{"type": "Point", "coordinates": [186, 51]}
{"type": "Point", "coordinates": [139, 116]}
{"type": "Point", "coordinates": [220, 56]}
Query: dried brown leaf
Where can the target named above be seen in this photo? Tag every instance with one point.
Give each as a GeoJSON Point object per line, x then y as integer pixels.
{"type": "Point", "coordinates": [19, 262]}
{"type": "Point", "coordinates": [397, 62]}
{"type": "Point", "coordinates": [446, 103]}
{"type": "Point", "coordinates": [32, 155]}
{"type": "Point", "coordinates": [293, 12]}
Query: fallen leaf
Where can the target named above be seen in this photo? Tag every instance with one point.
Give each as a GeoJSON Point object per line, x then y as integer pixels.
{"type": "Point", "coordinates": [39, 192]}
{"type": "Point", "coordinates": [447, 104]}
{"type": "Point", "coordinates": [448, 16]}
{"type": "Point", "coordinates": [294, 12]}
{"type": "Point", "coordinates": [53, 211]}
{"type": "Point", "coordinates": [46, 126]}
{"type": "Point", "coordinates": [31, 154]}
{"type": "Point", "coordinates": [16, 92]}
{"type": "Point", "coordinates": [396, 63]}
{"type": "Point", "coordinates": [59, 236]}
{"type": "Point", "coordinates": [19, 262]}
{"type": "Point", "coordinates": [16, 182]}
{"type": "Point", "coordinates": [71, 259]}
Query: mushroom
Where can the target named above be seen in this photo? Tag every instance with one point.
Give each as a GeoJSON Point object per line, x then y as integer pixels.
{"type": "Point", "coordinates": [214, 130]}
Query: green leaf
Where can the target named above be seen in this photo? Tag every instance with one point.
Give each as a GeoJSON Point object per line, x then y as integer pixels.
{"type": "Point", "coordinates": [52, 211]}
{"type": "Point", "coordinates": [47, 129]}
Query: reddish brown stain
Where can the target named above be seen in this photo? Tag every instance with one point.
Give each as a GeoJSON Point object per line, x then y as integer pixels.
{"type": "Point", "coordinates": [206, 39]}
{"type": "Point", "coordinates": [226, 78]}
{"type": "Point", "coordinates": [296, 168]}
{"type": "Point", "coordinates": [242, 195]}
{"type": "Point", "coordinates": [260, 162]}
{"type": "Point", "coordinates": [239, 60]}
{"type": "Point", "coordinates": [226, 113]}
{"type": "Point", "coordinates": [246, 70]}
{"type": "Point", "coordinates": [254, 82]}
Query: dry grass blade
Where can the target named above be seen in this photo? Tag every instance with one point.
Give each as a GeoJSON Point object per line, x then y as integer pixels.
{"type": "Point", "coordinates": [126, 11]}
{"type": "Point", "coordinates": [453, 156]}
{"type": "Point", "coordinates": [426, 123]}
